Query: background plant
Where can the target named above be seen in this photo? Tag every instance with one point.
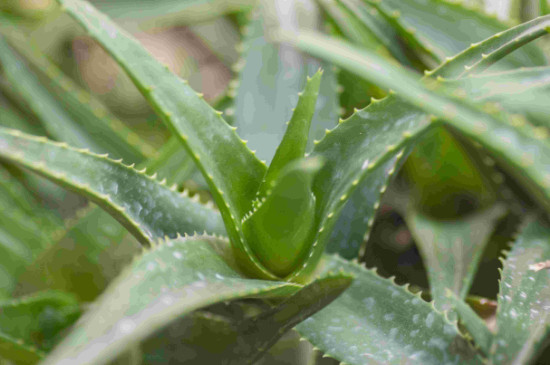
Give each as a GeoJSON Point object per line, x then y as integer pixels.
{"type": "Point", "coordinates": [469, 139]}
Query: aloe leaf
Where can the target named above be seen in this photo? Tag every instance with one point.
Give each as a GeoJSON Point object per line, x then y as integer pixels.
{"type": "Point", "coordinates": [43, 104]}
{"type": "Point", "coordinates": [448, 28]}
{"type": "Point", "coordinates": [522, 151]}
{"type": "Point", "coordinates": [272, 75]}
{"type": "Point", "coordinates": [242, 338]}
{"type": "Point", "coordinates": [482, 55]}
{"type": "Point", "coordinates": [520, 91]}
{"type": "Point", "coordinates": [475, 326]}
{"type": "Point", "coordinates": [418, 47]}
{"type": "Point", "coordinates": [357, 217]}
{"type": "Point", "coordinates": [279, 227]}
{"type": "Point", "coordinates": [385, 34]}
{"type": "Point", "coordinates": [29, 326]}
{"type": "Point", "coordinates": [523, 316]}
{"type": "Point", "coordinates": [11, 118]}
{"type": "Point", "coordinates": [109, 134]}
{"type": "Point", "coordinates": [26, 229]}
{"type": "Point", "coordinates": [184, 12]}
{"type": "Point", "coordinates": [451, 249]}
{"type": "Point", "coordinates": [167, 282]}
{"type": "Point", "coordinates": [293, 145]}
{"type": "Point", "coordinates": [376, 321]}
{"type": "Point", "coordinates": [230, 168]}
{"type": "Point", "coordinates": [147, 208]}
{"type": "Point", "coordinates": [349, 23]}
{"type": "Point", "coordinates": [355, 150]}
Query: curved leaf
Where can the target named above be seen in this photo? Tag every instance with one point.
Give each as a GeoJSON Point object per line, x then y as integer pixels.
{"type": "Point", "coordinates": [108, 133]}
{"type": "Point", "coordinates": [29, 325]}
{"type": "Point", "coordinates": [241, 337]}
{"type": "Point", "coordinates": [376, 321]}
{"type": "Point", "coordinates": [523, 314]}
{"type": "Point", "coordinates": [293, 145]}
{"type": "Point", "coordinates": [475, 326]}
{"type": "Point", "coordinates": [271, 76]}
{"type": "Point", "coordinates": [357, 217]}
{"type": "Point", "coordinates": [451, 249]}
{"type": "Point", "coordinates": [522, 150]}
{"type": "Point", "coordinates": [167, 282]}
{"type": "Point", "coordinates": [230, 168]}
{"type": "Point", "coordinates": [524, 91]}
{"type": "Point", "coordinates": [448, 28]}
{"type": "Point", "coordinates": [40, 101]}
{"type": "Point", "coordinates": [280, 226]}
{"type": "Point", "coordinates": [482, 55]}
{"type": "Point", "coordinates": [26, 229]}
{"type": "Point", "coordinates": [147, 208]}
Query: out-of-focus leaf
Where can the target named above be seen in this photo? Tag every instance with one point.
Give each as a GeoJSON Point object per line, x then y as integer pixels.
{"type": "Point", "coordinates": [171, 280]}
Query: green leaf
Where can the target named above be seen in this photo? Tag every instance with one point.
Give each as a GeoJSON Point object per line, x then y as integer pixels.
{"type": "Point", "coordinates": [438, 190]}
{"type": "Point", "coordinates": [523, 314]}
{"type": "Point", "coordinates": [376, 321]}
{"type": "Point", "coordinates": [271, 76]}
{"type": "Point", "coordinates": [522, 151]}
{"type": "Point", "coordinates": [384, 32]}
{"type": "Point", "coordinates": [520, 91]}
{"type": "Point", "coordinates": [147, 208]}
{"type": "Point", "coordinates": [452, 249]}
{"type": "Point", "coordinates": [92, 252]}
{"type": "Point", "coordinates": [413, 43]}
{"type": "Point", "coordinates": [230, 168]}
{"type": "Point", "coordinates": [357, 217]}
{"type": "Point", "coordinates": [107, 132]}
{"type": "Point", "coordinates": [241, 337]}
{"type": "Point", "coordinates": [167, 282]}
{"type": "Point", "coordinates": [40, 101]}
{"type": "Point", "coordinates": [448, 27]}
{"type": "Point", "coordinates": [352, 152]}
{"type": "Point", "coordinates": [280, 226]}
{"type": "Point", "coordinates": [184, 12]}
{"type": "Point", "coordinates": [293, 145]}
{"type": "Point", "coordinates": [29, 326]}
{"type": "Point", "coordinates": [475, 326]}
{"type": "Point", "coordinates": [349, 23]}
{"type": "Point", "coordinates": [26, 229]}
{"type": "Point", "coordinates": [482, 55]}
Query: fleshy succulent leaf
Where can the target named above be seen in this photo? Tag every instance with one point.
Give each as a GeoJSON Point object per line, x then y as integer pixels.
{"type": "Point", "coordinates": [186, 12]}
{"type": "Point", "coordinates": [475, 326]}
{"type": "Point", "coordinates": [26, 229]}
{"type": "Point", "coordinates": [357, 218]}
{"type": "Point", "coordinates": [147, 208]}
{"type": "Point", "coordinates": [169, 281]}
{"type": "Point", "coordinates": [29, 325]}
{"type": "Point", "coordinates": [242, 338]}
{"type": "Point", "coordinates": [293, 145]}
{"type": "Point", "coordinates": [451, 249]}
{"type": "Point", "coordinates": [377, 321]}
{"type": "Point", "coordinates": [522, 151]}
{"type": "Point", "coordinates": [280, 227]}
{"type": "Point", "coordinates": [272, 75]}
{"type": "Point", "coordinates": [109, 134]}
{"type": "Point", "coordinates": [55, 120]}
{"type": "Point", "coordinates": [522, 92]}
{"type": "Point", "coordinates": [482, 55]}
{"type": "Point", "coordinates": [230, 168]}
{"type": "Point", "coordinates": [523, 314]}
{"type": "Point", "coordinates": [448, 28]}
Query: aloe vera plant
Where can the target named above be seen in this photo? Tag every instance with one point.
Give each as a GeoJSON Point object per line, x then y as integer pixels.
{"type": "Point", "coordinates": [197, 249]}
